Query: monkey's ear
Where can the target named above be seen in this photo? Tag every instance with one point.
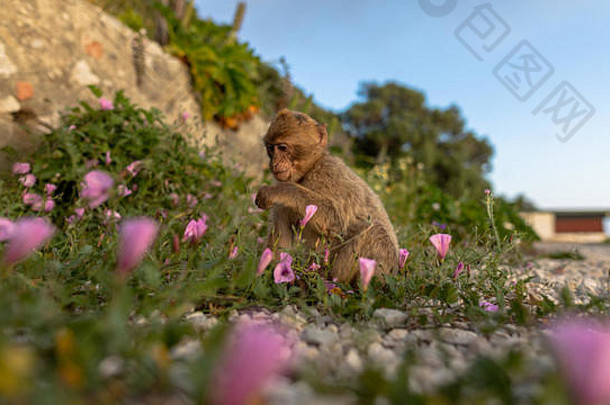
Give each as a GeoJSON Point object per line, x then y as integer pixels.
{"type": "Point", "coordinates": [283, 111]}
{"type": "Point", "coordinates": [323, 140]}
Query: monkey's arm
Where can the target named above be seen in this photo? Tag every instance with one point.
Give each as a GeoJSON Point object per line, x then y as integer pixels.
{"type": "Point", "coordinates": [280, 234]}
{"type": "Point", "coordinates": [296, 197]}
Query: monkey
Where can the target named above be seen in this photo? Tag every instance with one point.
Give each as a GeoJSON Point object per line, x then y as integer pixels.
{"type": "Point", "coordinates": [350, 216]}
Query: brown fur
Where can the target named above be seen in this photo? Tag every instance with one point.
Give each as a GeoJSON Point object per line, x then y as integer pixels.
{"type": "Point", "coordinates": [350, 216]}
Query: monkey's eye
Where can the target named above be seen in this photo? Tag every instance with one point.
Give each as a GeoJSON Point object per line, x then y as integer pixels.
{"type": "Point", "coordinates": [282, 147]}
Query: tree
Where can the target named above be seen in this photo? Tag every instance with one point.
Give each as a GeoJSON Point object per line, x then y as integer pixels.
{"type": "Point", "coordinates": [393, 121]}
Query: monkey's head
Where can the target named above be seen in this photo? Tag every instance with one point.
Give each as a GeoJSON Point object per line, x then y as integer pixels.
{"type": "Point", "coordinates": [294, 143]}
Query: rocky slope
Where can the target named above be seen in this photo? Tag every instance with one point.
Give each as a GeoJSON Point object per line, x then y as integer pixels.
{"type": "Point", "coordinates": [51, 50]}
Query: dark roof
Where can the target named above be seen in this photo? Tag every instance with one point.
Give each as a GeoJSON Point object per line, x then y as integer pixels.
{"type": "Point", "coordinates": [581, 212]}
{"type": "Point", "coordinates": [603, 212]}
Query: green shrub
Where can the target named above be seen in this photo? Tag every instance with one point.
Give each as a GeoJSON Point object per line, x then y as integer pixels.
{"type": "Point", "coordinates": [223, 69]}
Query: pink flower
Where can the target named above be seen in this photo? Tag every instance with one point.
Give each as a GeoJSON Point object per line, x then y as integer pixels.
{"type": "Point", "coordinates": [201, 154]}
{"type": "Point", "coordinates": [50, 189]}
{"type": "Point", "coordinates": [309, 211]}
{"type": "Point", "coordinates": [367, 269]}
{"type": "Point", "coordinates": [402, 259]}
{"type": "Point", "coordinates": [134, 167]}
{"type": "Point", "coordinates": [7, 228]}
{"type": "Point", "coordinates": [79, 215]}
{"type": "Point", "coordinates": [21, 168]}
{"type": "Point", "coordinates": [441, 242]}
{"type": "Point", "coordinates": [326, 256]}
{"type": "Point", "coordinates": [49, 205]}
{"type": "Point", "coordinates": [488, 306]}
{"type": "Point", "coordinates": [314, 267]}
{"type": "Point", "coordinates": [254, 355]}
{"type": "Point", "coordinates": [458, 269]}
{"type": "Point", "coordinates": [105, 104]}
{"type": "Point", "coordinates": [107, 159]}
{"type": "Point", "coordinates": [330, 286]}
{"type": "Point", "coordinates": [175, 198]}
{"type": "Point", "coordinates": [71, 128]}
{"type": "Point", "coordinates": [135, 237]}
{"type": "Point", "coordinates": [96, 187]}
{"type": "Point", "coordinates": [28, 234]}
{"type": "Point", "coordinates": [184, 116]}
{"type": "Point", "coordinates": [195, 229]}
{"type": "Point", "coordinates": [266, 258]}
{"type": "Point", "coordinates": [123, 191]}
{"type": "Point", "coordinates": [487, 191]}
{"type": "Point", "coordinates": [28, 180]}
{"type": "Point", "coordinates": [33, 200]}
{"type": "Point", "coordinates": [233, 253]}
{"type": "Point", "coordinates": [91, 163]}
{"type": "Point", "coordinates": [583, 352]}
{"type": "Point", "coordinates": [111, 215]}
{"type": "Point", "coordinates": [283, 271]}
{"type": "Point", "coordinates": [191, 200]}
{"type": "Point", "coordinates": [215, 183]}
{"type": "Point", "coordinates": [260, 240]}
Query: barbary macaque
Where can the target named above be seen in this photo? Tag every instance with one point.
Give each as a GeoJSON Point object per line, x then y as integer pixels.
{"type": "Point", "coordinates": [350, 216]}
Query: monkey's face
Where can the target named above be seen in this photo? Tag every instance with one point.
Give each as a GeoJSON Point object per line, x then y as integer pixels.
{"type": "Point", "coordinates": [294, 142]}
{"type": "Point", "coordinates": [281, 161]}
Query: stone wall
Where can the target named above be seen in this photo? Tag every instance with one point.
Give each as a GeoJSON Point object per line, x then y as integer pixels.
{"type": "Point", "coordinates": [51, 50]}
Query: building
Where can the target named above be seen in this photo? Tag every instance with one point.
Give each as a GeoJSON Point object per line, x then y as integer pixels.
{"type": "Point", "coordinates": [576, 226]}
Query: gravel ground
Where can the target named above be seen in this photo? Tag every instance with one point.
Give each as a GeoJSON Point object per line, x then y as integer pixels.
{"type": "Point", "coordinates": [340, 351]}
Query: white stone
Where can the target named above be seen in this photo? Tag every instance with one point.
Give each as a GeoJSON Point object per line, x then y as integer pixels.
{"type": "Point", "coordinates": [111, 366]}
{"type": "Point", "coordinates": [304, 352]}
{"type": "Point", "coordinates": [457, 336]}
{"type": "Point", "coordinates": [290, 316]}
{"type": "Point", "coordinates": [7, 67]}
{"type": "Point", "coordinates": [317, 336]}
{"type": "Point", "coordinates": [37, 43]}
{"type": "Point", "coordinates": [391, 317]}
{"type": "Point", "coordinates": [353, 361]}
{"type": "Point", "coordinates": [281, 391]}
{"type": "Point", "coordinates": [345, 331]}
{"type": "Point", "coordinates": [379, 354]}
{"type": "Point", "coordinates": [398, 334]}
{"type": "Point", "coordinates": [186, 350]}
{"type": "Point", "coordinates": [427, 379]}
{"type": "Point", "coordinates": [422, 335]}
{"type": "Point", "coordinates": [9, 105]}
{"type": "Point", "coordinates": [82, 74]}
{"type": "Point", "coordinates": [200, 321]}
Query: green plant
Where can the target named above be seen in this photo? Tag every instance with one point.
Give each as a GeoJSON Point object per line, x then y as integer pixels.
{"type": "Point", "coordinates": [222, 68]}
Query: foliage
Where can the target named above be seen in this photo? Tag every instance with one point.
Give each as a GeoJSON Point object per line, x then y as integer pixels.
{"type": "Point", "coordinates": [393, 121]}
{"type": "Point", "coordinates": [222, 68]}
{"type": "Point", "coordinates": [411, 198]}
{"type": "Point", "coordinates": [424, 162]}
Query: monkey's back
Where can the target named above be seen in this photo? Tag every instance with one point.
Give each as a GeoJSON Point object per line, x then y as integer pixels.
{"type": "Point", "coordinates": [361, 211]}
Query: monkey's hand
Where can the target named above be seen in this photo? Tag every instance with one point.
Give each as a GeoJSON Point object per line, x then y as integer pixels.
{"type": "Point", "coordinates": [280, 193]}
{"type": "Point", "coordinates": [265, 197]}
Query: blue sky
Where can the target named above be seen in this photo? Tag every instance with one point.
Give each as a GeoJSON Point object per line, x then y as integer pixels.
{"type": "Point", "coordinates": [333, 45]}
